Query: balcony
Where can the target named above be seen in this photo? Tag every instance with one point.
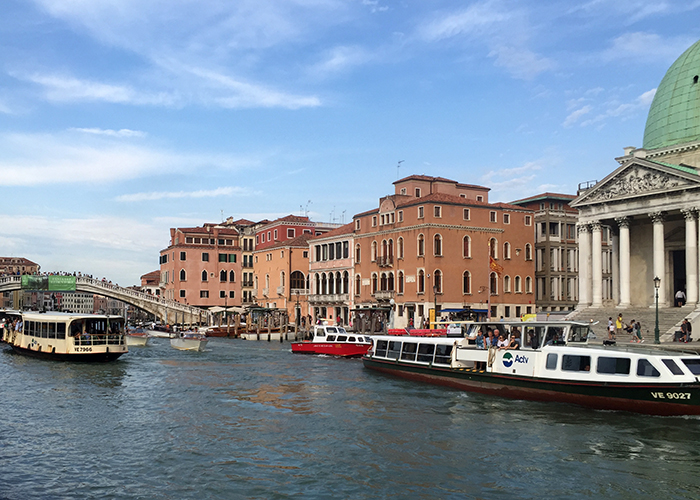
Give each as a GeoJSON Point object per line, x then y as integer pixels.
{"type": "Point", "coordinates": [334, 298]}
{"type": "Point", "coordinates": [280, 290]}
{"type": "Point", "coordinates": [384, 294]}
{"type": "Point", "coordinates": [254, 293]}
{"type": "Point", "coordinates": [299, 291]}
{"type": "Point", "coordinates": [385, 261]}
{"type": "Point", "coordinates": [266, 292]}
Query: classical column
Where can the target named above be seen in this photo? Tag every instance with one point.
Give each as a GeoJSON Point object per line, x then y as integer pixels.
{"type": "Point", "coordinates": [584, 265]}
{"type": "Point", "coordinates": [659, 254]}
{"type": "Point", "coordinates": [624, 225]}
{"type": "Point", "coordinates": [615, 267]}
{"type": "Point", "coordinates": [691, 257]}
{"type": "Point", "coordinates": [597, 265]}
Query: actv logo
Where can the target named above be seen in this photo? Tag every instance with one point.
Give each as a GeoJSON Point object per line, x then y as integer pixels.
{"type": "Point", "coordinates": [509, 359]}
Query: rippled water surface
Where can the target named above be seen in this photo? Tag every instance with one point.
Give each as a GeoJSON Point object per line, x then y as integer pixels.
{"type": "Point", "coordinates": [251, 420]}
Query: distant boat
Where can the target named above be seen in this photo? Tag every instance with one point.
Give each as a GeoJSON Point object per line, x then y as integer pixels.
{"type": "Point", "coordinates": [334, 341]}
{"type": "Point", "coordinates": [189, 341]}
{"type": "Point", "coordinates": [137, 337]}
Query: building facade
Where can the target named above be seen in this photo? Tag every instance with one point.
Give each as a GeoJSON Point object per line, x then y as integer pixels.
{"type": "Point", "coordinates": [202, 266]}
{"type": "Point", "coordinates": [556, 252]}
{"type": "Point", "coordinates": [331, 268]}
{"type": "Point", "coordinates": [439, 245]}
{"type": "Point", "coordinates": [651, 201]}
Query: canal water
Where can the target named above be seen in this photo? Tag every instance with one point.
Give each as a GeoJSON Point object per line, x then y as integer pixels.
{"type": "Point", "coordinates": [251, 420]}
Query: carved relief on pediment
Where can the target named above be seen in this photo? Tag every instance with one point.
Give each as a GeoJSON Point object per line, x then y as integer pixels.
{"type": "Point", "coordinates": [636, 181]}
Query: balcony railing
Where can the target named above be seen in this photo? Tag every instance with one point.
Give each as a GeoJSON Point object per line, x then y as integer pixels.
{"type": "Point", "coordinates": [385, 261]}
{"type": "Point", "coordinates": [280, 290]}
{"type": "Point", "coordinates": [329, 298]}
{"type": "Point", "coordinates": [384, 294]}
{"type": "Point", "coordinates": [266, 292]}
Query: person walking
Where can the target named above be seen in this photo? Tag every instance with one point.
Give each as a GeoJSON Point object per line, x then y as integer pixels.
{"type": "Point", "coordinates": [680, 298]}
{"type": "Point", "coordinates": [619, 325]}
{"type": "Point", "coordinates": [611, 329]}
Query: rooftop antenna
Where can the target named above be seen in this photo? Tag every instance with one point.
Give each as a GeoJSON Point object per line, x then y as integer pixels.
{"type": "Point", "coordinates": [397, 169]}
{"type": "Point", "coordinates": [342, 218]}
{"type": "Point", "coordinates": [222, 215]}
{"type": "Point", "coordinates": [306, 210]}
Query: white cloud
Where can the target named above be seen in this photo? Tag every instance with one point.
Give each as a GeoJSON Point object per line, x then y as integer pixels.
{"type": "Point", "coordinates": [159, 195]}
{"type": "Point", "coordinates": [66, 158]}
{"type": "Point", "coordinates": [615, 109]}
{"type": "Point", "coordinates": [576, 115]}
{"type": "Point", "coordinates": [125, 132]}
{"type": "Point", "coordinates": [645, 47]}
{"type": "Point", "coordinates": [521, 62]}
{"type": "Point", "coordinates": [477, 19]}
{"type": "Point", "coordinates": [375, 6]}
{"type": "Point", "coordinates": [341, 58]}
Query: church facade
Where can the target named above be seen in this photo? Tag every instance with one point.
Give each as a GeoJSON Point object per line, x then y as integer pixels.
{"type": "Point", "coordinates": [651, 202]}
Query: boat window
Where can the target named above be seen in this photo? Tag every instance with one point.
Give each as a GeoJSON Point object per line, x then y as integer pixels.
{"type": "Point", "coordinates": [331, 338]}
{"type": "Point", "coordinates": [331, 329]}
{"type": "Point", "coordinates": [646, 369]}
{"type": "Point", "coordinates": [533, 336]}
{"type": "Point", "coordinates": [671, 365]}
{"type": "Point", "coordinates": [380, 350]}
{"type": "Point", "coordinates": [409, 351]}
{"type": "Point", "coordinates": [579, 333]}
{"type": "Point", "coordinates": [340, 329]}
{"type": "Point", "coordinates": [425, 352]}
{"type": "Point", "coordinates": [44, 330]}
{"type": "Point", "coordinates": [394, 350]}
{"type": "Point", "coordinates": [575, 363]}
{"type": "Point", "coordinates": [320, 332]}
{"type": "Point", "coordinates": [52, 330]}
{"type": "Point", "coordinates": [351, 339]}
{"type": "Point", "coordinates": [553, 336]}
{"type": "Point", "coordinates": [552, 361]}
{"type": "Point", "coordinates": [620, 366]}
{"type": "Point", "coordinates": [443, 354]}
{"type": "Point", "coordinates": [29, 328]}
{"type": "Point", "coordinates": [342, 338]}
{"type": "Point", "coordinates": [693, 365]}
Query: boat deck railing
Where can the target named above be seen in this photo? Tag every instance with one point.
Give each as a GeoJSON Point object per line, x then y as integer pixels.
{"type": "Point", "coordinates": [99, 339]}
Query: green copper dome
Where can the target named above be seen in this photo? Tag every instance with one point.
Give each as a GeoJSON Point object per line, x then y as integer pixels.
{"type": "Point", "coordinates": [674, 116]}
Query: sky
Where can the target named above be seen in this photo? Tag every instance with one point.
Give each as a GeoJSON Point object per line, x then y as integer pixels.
{"type": "Point", "coordinates": [120, 119]}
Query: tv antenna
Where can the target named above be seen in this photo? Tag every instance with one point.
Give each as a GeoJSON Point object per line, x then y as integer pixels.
{"type": "Point", "coordinates": [397, 169]}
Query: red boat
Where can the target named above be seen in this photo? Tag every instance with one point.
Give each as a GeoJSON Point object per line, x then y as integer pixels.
{"type": "Point", "coordinates": [334, 341]}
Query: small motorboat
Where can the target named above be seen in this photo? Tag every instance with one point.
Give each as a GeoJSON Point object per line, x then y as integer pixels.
{"type": "Point", "coordinates": [137, 337]}
{"type": "Point", "coordinates": [334, 341]}
{"type": "Point", "coordinates": [189, 340]}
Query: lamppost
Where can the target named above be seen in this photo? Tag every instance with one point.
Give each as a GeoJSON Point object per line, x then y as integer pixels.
{"type": "Point", "coordinates": [435, 297]}
{"type": "Point", "coordinates": [657, 283]}
{"type": "Point", "coordinates": [297, 309]}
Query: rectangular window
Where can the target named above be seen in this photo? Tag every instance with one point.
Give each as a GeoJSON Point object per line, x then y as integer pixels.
{"type": "Point", "coordinates": [614, 366]}
{"type": "Point", "coordinates": [493, 217]}
{"type": "Point", "coordinates": [232, 257]}
{"type": "Point", "coordinates": [693, 365]}
{"type": "Point", "coordinates": [221, 241]}
{"type": "Point", "coordinates": [357, 225]}
{"type": "Point", "coordinates": [420, 212]}
{"type": "Point", "coordinates": [438, 211]}
{"type": "Point", "coordinates": [381, 348]}
{"type": "Point", "coordinates": [506, 218]}
{"type": "Point", "coordinates": [425, 353]}
{"type": "Point", "coordinates": [400, 215]}
{"type": "Point", "coordinates": [394, 350]}
{"type": "Point", "coordinates": [479, 198]}
{"type": "Point", "coordinates": [646, 369]}
{"type": "Point", "coordinates": [466, 214]}
{"type": "Point", "coordinates": [305, 254]}
{"type": "Point", "coordinates": [275, 234]}
{"type": "Point", "coordinates": [223, 257]}
{"type": "Point", "coordinates": [232, 294]}
{"type": "Point", "coordinates": [403, 191]}
{"type": "Point", "coordinates": [417, 192]}
{"type": "Point", "coordinates": [222, 294]}
{"type": "Point", "coordinates": [575, 363]}
{"type": "Point", "coordinates": [183, 255]}
{"type": "Point", "coordinates": [374, 221]}
{"type": "Point", "coordinates": [263, 237]}
{"type": "Point", "coordinates": [188, 239]}
{"type": "Point", "coordinates": [204, 294]}
{"type": "Point", "coordinates": [290, 233]}
{"type": "Point", "coordinates": [409, 351]}
{"type": "Point", "coordinates": [205, 256]}
{"type": "Point", "coordinates": [182, 294]}
{"type": "Point", "coordinates": [528, 220]}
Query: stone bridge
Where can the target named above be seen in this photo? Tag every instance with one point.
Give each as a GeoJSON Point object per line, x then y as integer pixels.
{"type": "Point", "coordinates": [168, 311]}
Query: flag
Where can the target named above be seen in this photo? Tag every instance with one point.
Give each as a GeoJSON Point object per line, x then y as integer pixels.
{"type": "Point", "coordinates": [494, 266]}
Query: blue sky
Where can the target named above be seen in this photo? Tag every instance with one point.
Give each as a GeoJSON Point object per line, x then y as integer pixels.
{"type": "Point", "coordinates": [122, 118]}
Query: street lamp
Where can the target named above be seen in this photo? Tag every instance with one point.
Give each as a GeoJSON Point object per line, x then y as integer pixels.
{"type": "Point", "coordinates": [657, 283]}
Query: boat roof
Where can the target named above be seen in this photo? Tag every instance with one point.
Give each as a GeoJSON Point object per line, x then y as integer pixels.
{"type": "Point", "coordinates": [61, 316]}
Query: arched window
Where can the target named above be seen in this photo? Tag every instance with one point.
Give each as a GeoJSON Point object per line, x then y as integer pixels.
{"type": "Point", "coordinates": [421, 245]}
{"type": "Point", "coordinates": [390, 284]}
{"type": "Point", "coordinates": [296, 280]}
{"type": "Point", "coordinates": [383, 282]}
{"type": "Point", "coordinates": [374, 251]}
{"type": "Point", "coordinates": [204, 275]}
{"type": "Point", "coordinates": [317, 291]}
{"type": "Point", "coordinates": [331, 283]}
{"type": "Point", "coordinates": [399, 253]}
{"type": "Point", "coordinates": [506, 250]}
{"type": "Point", "coordinates": [467, 247]}
{"type": "Point", "coordinates": [400, 281]}
{"type": "Point", "coordinates": [282, 276]}
{"type": "Point", "coordinates": [437, 245]}
{"type": "Point", "coordinates": [338, 283]}
{"type": "Point", "coordinates": [357, 253]}
{"type": "Point", "coordinates": [346, 282]}
{"type": "Point", "coordinates": [358, 284]}
{"type": "Point", "coordinates": [437, 281]}
{"type": "Point", "coordinates": [385, 249]}
{"type": "Point", "coordinates": [493, 248]}
{"type": "Point", "coordinates": [223, 275]}
{"type": "Point", "coordinates": [183, 275]}
{"type": "Point", "coordinates": [421, 281]}
{"type": "Point", "coordinates": [518, 285]}
{"type": "Point", "coordinates": [506, 284]}
{"type": "Point", "coordinates": [390, 249]}
{"type": "Point", "coordinates": [324, 284]}
{"type": "Point", "coordinates": [528, 284]}
{"type": "Point", "coordinates": [493, 284]}
{"type": "Point", "coordinates": [374, 283]}
{"type": "Point", "coordinates": [528, 251]}
{"type": "Point", "coordinates": [267, 281]}
{"type": "Point", "coordinates": [232, 276]}
{"type": "Point", "coordinates": [466, 282]}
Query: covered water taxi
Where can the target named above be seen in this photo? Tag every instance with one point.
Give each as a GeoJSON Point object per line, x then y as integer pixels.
{"type": "Point", "coordinates": [65, 336]}
{"type": "Point", "coordinates": [333, 341]}
{"type": "Point", "coordinates": [547, 361]}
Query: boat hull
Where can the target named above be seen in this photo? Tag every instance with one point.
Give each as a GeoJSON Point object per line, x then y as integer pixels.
{"type": "Point", "coordinates": [188, 344]}
{"type": "Point", "coordinates": [95, 357]}
{"type": "Point", "coordinates": [347, 350]}
{"type": "Point", "coordinates": [651, 399]}
{"type": "Point", "coordinates": [137, 340]}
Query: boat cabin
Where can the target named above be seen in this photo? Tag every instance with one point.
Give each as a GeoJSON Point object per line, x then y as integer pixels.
{"type": "Point", "coordinates": [326, 333]}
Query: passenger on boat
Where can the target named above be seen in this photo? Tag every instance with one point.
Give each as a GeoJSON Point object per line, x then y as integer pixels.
{"type": "Point", "coordinates": [502, 342]}
{"type": "Point", "coordinates": [514, 342]}
{"type": "Point", "coordinates": [490, 339]}
{"type": "Point", "coordinates": [480, 340]}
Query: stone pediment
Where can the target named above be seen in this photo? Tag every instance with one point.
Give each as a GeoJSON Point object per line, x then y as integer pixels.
{"type": "Point", "coordinates": [636, 179]}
